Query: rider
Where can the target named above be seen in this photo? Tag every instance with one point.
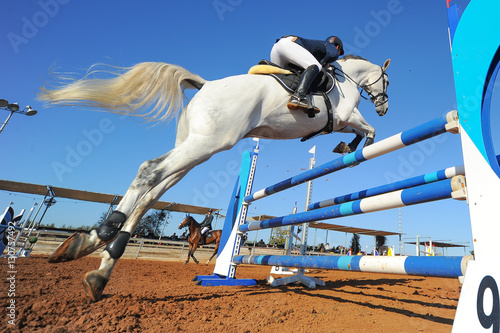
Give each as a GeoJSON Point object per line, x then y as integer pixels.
{"type": "Point", "coordinates": [310, 54]}
{"type": "Point", "coordinates": [205, 226]}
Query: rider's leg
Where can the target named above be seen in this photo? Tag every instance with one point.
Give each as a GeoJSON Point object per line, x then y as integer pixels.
{"type": "Point", "coordinates": [203, 236]}
{"type": "Point", "coordinates": [286, 51]}
{"type": "Point", "coordinates": [298, 99]}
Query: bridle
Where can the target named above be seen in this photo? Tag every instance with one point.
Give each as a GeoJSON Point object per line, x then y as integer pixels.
{"type": "Point", "coordinates": [366, 87]}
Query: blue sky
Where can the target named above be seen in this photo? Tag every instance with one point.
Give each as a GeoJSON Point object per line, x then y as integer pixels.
{"type": "Point", "coordinates": [216, 39]}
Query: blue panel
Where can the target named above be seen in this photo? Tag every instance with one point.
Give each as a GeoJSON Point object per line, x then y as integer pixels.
{"type": "Point", "coordinates": [349, 159]}
{"type": "Point", "coordinates": [472, 65]}
{"type": "Point", "coordinates": [346, 209]}
{"type": "Point", "coordinates": [424, 131]}
{"type": "Point", "coordinates": [355, 263]}
{"type": "Point", "coordinates": [434, 266]}
{"type": "Point", "coordinates": [485, 117]}
{"type": "Point", "coordinates": [344, 263]}
{"type": "Point", "coordinates": [454, 14]}
{"type": "Point", "coordinates": [214, 282]}
{"type": "Point", "coordinates": [235, 202]}
{"type": "Point", "coordinates": [359, 156]}
{"type": "Point", "coordinates": [429, 192]}
{"type": "Point", "coordinates": [232, 212]}
{"type": "Point", "coordinates": [431, 177]}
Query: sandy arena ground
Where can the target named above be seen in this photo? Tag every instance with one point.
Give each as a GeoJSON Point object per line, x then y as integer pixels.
{"type": "Point", "coordinates": [159, 296]}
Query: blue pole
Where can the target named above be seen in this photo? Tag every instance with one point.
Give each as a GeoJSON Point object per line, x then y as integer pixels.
{"type": "Point", "coordinates": [406, 183]}
{"type": "Point", "coordinates": [422, 266]}
{"type": "Point", "coordinates": [425, 193]}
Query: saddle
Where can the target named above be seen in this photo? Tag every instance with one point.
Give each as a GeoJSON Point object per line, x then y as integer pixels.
{"type": "Point", "coordinates": [289, 79]}
{"type": "Point", "coordinates": [209, 233]}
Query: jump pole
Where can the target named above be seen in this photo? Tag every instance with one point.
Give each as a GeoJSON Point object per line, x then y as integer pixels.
{"type": "Point", "coordinates": [444, 189]}
{"type": "Point", "coordinates": [450, 267]}
{"type": "Point", "coordinates": [403, 184]}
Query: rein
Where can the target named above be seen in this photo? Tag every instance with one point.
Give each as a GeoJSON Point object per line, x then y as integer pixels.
{"type": "Point", "coordinates": [365, 87]}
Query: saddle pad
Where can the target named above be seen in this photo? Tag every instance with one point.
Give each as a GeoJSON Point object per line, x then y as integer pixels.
{"type": "Point", "coordinates": [268, 69]}
{"type": "Point", "coordinates": [289, 79]}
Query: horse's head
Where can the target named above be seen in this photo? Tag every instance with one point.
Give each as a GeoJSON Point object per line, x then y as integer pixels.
{"type": "Point", "coordinates": [186, 222]}
{"type": "Point", "coordinates": [376, 88]}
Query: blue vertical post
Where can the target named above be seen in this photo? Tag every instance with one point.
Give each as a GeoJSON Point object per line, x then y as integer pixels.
{"type": "Point", "coordinates": [225, 270]}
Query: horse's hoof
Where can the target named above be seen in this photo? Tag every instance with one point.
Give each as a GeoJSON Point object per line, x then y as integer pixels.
{"type": "Point", "coordinates": [76, 246]}
{"type": "Point", "coordinates": [93, 284]}
{"type": "Point", "coordinates": [342, 148]}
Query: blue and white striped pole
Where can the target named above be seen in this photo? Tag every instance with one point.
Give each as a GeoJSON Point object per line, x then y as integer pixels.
{"type": "Point", "coordinates": [448, 122]}
{"type": "Point", "coordinates": [448, 188]}
{"type": "Point", "coordinates": [410, 265]}
{"type": "Point", "coordinates": [406, 183]}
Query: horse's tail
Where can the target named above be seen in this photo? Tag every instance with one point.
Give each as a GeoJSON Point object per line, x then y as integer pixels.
{"type": "Point", "coordinates": [149, 84]}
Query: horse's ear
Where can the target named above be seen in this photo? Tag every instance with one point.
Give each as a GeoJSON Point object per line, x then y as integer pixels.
{"type": "Point", "coordinates": [386, 64]}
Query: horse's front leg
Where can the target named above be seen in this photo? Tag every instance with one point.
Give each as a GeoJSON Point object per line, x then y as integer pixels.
{"type": "Point", "coordinates": [195, 246]}
{"type": "Point", "coordinates": [355, 123]}
{"type": "Point", "coordinates": [190, 252]}
{"type": "Point", "coordinates": [344, 148]}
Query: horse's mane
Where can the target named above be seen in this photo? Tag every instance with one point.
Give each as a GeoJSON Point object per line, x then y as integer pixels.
{"type": "Point", "coordinates": [351, 56]}
{"type": "Point", "coordinates": [189, 217]}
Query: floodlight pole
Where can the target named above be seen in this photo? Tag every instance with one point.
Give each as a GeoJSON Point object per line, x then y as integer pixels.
{"type": "Point", "coordinates": [14, 108]}
{"type": "Point", "coordinates": [6, 121]}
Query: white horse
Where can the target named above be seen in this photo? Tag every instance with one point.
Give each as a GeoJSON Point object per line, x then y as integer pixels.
{"type": "Point", "coordinates": [222, 113]}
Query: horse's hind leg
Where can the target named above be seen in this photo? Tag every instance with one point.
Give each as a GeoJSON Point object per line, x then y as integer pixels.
{"type": "Point", "coordinates": [213, 255]}
{"type": "Point", "coordinates": [141, 196]}
{"type": "Point", "coordinates": [217, 242]}
{"type": "Point", "coordinates": [149, 184]}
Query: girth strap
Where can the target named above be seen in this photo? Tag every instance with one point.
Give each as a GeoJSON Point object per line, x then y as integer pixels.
{"type": "Point", "coordinates": [329, 124]}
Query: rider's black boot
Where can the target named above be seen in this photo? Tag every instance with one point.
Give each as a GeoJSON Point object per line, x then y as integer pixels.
{"type": "Point", "coordinates": [203, 239]}
{"type": "Point", "coordinates": [299, 99]}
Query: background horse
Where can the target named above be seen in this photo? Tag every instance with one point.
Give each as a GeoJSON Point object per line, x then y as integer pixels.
{"type": "Point", "coordinates": [221, 114]}
{"type": "Point", "coordinates": [195, 237]}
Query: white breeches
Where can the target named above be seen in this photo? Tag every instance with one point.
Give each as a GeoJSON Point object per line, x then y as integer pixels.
{"type": "Point", "coordinates": [286, 51]}
{"type": "Point", "coordinates": [205, 229]}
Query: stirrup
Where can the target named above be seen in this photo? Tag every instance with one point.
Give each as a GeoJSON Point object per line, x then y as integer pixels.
{"type": "Point", "coordinates": [297, 102]}
{"type": "Point", "coordinates": [311, 110]}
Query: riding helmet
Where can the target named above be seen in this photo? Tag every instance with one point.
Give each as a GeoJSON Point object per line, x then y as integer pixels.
{"type": "Point", "coordinates": [337, 42]}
